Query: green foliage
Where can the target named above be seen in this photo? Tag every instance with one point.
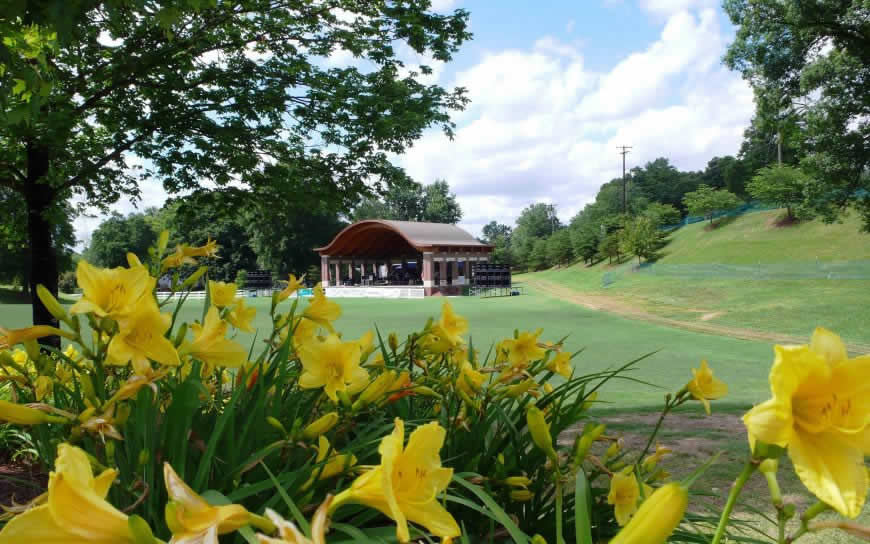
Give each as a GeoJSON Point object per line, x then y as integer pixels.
{"type": "Point", "coordinates": [659, 181]}
{"type": "Point", "coordinates": [67, 282]}
{"type": "Point", "coordinates": [661, 214]}
{"type": "Point", "coordinates": [499, 236]}
{"type": "Point", "coordinates": [640, 237]}
{"type": "Point", "coordinates": [560, 251]}
{"type": "Point", "coordinates": [535, 222]}
{"type": "Point", "coordinates": [118, 235]}
{"type": "Point", "coordinates": [779, 185]}
{"type": "Point", "coordinates": [585, 242]}
{"type": "Point", "coordinates": [706, 201]}
{"type": "Point", "coordinates": [539, 257]}
{"type": "Point", "coordinates": [608, 246]}
{"type": "Point", "coordinates": [241, 278]}
{"type": "Point", "coordinates": [410, 201]}
{"type": "Point", "coordinates": [809, 65]}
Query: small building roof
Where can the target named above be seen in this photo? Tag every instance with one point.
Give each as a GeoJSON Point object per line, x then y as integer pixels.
{"type": "Point", "coordinates": [383, 236]}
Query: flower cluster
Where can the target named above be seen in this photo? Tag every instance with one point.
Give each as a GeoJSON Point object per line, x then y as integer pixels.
{"type": "Point", "coordinates": [158, 424]}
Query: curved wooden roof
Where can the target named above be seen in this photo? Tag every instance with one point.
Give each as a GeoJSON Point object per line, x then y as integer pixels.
{"type": "Point", "coordinates": [382, 237]}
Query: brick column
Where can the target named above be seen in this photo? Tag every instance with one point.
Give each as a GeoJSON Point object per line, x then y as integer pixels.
{"type": "Point", "coordinates": [428, 273]}
{"type": "Point", "coordinates": [337, 278]}
{"type": "Point", "coordinates": [350, 271]}
{"type": "Point", "coordinates": [324, 270]}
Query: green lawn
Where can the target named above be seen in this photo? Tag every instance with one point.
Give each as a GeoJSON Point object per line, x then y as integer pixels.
{"type": "Point", "coordinates": [609, 340]}
{"type": "Point", "coordinates": [743, 274]}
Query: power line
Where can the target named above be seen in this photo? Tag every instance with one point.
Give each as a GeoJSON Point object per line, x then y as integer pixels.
{"type": "Point", "coordinates": [624, 151]}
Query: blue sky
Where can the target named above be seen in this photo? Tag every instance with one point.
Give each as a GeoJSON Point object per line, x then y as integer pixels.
{"type": "Point", "coordinates": [555, 86]}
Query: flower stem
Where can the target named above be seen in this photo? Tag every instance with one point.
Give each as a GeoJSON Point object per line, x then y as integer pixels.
{"type": "Point", "coordinates": [559, 538]}
{"type": "Point", "coordinates": [741, 480]}
{"type": "Point", "coordinates": [652, 435]}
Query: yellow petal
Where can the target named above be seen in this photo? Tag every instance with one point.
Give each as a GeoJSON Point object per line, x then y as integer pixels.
{"type": "Point", "coordinates": [390, 450]}
{"type": "Point", "coordinates": [771, 422]}
{"type": "Point", "coordinates": [83, 512]}
{"type": "Point", "coordinates": [831, 469]}
{"type": "Point", "coordinates": [433, 517]}
{"type": "Point", "coordinates": [828, 346]}
{"type": "Point", "coordinates": [36, 526]}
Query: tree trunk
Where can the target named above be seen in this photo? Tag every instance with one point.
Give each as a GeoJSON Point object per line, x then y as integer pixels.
{"type": "Point", "coordinates": [788, 213]}
{"type": "Point", "coordinates": [43, 260]}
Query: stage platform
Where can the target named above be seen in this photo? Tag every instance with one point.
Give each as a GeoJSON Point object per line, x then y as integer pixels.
{"type": "Point", "coordinates": [379, 291]}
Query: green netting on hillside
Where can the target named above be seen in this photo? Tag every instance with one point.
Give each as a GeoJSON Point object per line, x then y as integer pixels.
{"type": "Point", "coordinates": [838, 270]}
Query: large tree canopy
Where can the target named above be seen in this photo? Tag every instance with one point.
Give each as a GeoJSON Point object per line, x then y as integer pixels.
{"type": "Point", "coordinates": [410, 201]}
{"type": "Point", "coordinates": [809, 64]}
{"type": "Point", "coordinates": [226, 91]}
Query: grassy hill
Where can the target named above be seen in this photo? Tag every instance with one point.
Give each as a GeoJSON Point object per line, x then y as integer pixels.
{"type": "Point", "coordinates": [747, 272]}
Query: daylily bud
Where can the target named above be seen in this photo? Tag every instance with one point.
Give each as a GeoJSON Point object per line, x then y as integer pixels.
{"type": "Point", "coordinates": [393, 342]}
{"type": "Point", "coordinates": [584, 442]}
{"type": "Point", "coordinates": [162, 241]}
{"type": "Point", "coordinates": [520, 388]}
{"type": "Point", "coordinates": [180, 334]}
{"type": "Point", "coordinates": [276, 424]}
{"type": "Point", "coordinates": [25, 415]}
{"type": "Point", "coordinates": [540, 431]}
{"type": "Point", "coordinates": [424, 391]}
{"type": "Point", "coordinates": [132, 260]}
{"type": "Point", "coordinates": [613, 450]}
{"type": "Point", "coordinates": [144, 457]}
{"type": "Point", "coordinates": [657, 516]}
{"type": "Point", "coordinates": [521, 495]}
{"type": "Point", "coordinates": [538, 539]}
{"type": "Point", "coordinates": [375, 389]}
{"type": "Point", "coordinates": [51, 304]}
{"type": "Point", "coordinates": [193, 278]}
{"type": "Point", "coordinates": [517, 481]}
{"type": "Point", "coordinates": [320, 426]}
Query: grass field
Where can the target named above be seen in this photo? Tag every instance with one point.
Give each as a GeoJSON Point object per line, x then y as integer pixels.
{"type": "Point", "coordinates": [677, 287]}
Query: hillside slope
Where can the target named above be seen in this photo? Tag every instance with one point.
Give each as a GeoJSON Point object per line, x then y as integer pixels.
{"type": "Point", "coordinates": [747, 273]}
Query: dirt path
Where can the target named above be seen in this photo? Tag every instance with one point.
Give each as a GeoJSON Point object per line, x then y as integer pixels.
{"type": "Point", "coordinates": [613, 305]}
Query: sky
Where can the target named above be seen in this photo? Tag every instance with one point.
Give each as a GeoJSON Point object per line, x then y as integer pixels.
{"type": "Point", "coordinates": [555, 87]}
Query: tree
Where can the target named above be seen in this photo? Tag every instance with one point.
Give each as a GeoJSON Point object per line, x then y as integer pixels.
{"type": "Point", "coordinates": [118, 235]}
{"type": "Point", "coordinates": [222, 215]}
{"type": "Point", "coordinates": [640, 237]}
{"type": "Point", "coordinates": [539, 257]}
{"type": "Point", "coordinates": [559, 248]}
{"type": "Point", "coordinates": [608, 246]}
{"type": "Point", "coordinates": [661, 214]}
{"type": "Point", "coordinates": [585, 241]}
{"type": "Point", "coordinates": [779, 186]}
{"type": "Point", "coordinates": [494, 231]}
{"type": "Point", "coordinates": [809, 66]}
{"type": "Point", "coordinates": [229, 92]}
{"type": "Point", "coordinates": [536, 221]}
{"type": "Point", "coordinates": [706, 201]}
{"type": "Point", "coordinates": [659, 181]}
{"type": "Point", "coordinates": [439, 204]}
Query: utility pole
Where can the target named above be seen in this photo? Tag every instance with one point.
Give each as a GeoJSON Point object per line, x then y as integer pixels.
{"type": "Point", "coordinates": [624, 150]}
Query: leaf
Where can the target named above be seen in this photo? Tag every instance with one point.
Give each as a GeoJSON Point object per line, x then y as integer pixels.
{"type": "Point", "coordinates": [500, 515]}
{"type": "Point", "coordinates": [19, 87]}
{"type": "Point", "coordinates": [582, 523]}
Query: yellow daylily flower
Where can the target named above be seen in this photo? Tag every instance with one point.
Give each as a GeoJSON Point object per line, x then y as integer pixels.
{"type": "Point", "coordinates": [221, 293]}
{"type": "Point", "coordinates": [44, 386]}
{"type": "Point", "coordinates": [176, 259]}
{"type": "Point", "coordinates": [524, 349]}
{"type": "Point", "coordinates": [469, 380]}
{"type": "Point", "coordinates": [11, 337]}
{"type": "Point", "coordinates": [321, 310]}
{"type": "Point", "coordinates": [405, 486]}
{"type": "Point", "coordinates": [437, 340]}
{"type": "Point", "coordinates": [656, 518]}
{"type": "Point", "coordinates": [210, 344]}
{"type": "Point", "coordinates": [76, 511]}
{"type": "Point", "coordinates": [624, 495]}
{"type": "Point", "coordinates": [452, 326]}
{"type": "Point", "coordinates": [326, 468]}
{"type": "Point", "coordinates": [194, 521]}
{"type": "Point", "coordinates": [113, 292]}
{"type": "Point", "coordinates": [561, 364]}
{"type": "Point", "coordinates": [241, 316]}
{"type": "Point", "coordinates": [140, 338]}
{"type": "Point", "coordinates": [820, 411]}
{"type": "Point", "coordinates": [289, 534]}
{"type": "Point", "coordinates": [209, 249]}
{"type": "Point", "coordinates": [652, 460]}
{"type": "Point", "coordinates": [293, 285]}
{"type": "Point", "coordinates": [72, 353]}
{"type": "Point", "coordinates": [332, 365]}
{"type": "Point", "coordinates": [705, 387]}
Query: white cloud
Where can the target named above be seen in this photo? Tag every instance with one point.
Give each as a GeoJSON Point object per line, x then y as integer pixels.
{"type": "Point", "coordinates": [443, 5]}
{"type": "Point", "coordinates": [669, 7]}
{"type": "Point", "coordinates": [543, 128]}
